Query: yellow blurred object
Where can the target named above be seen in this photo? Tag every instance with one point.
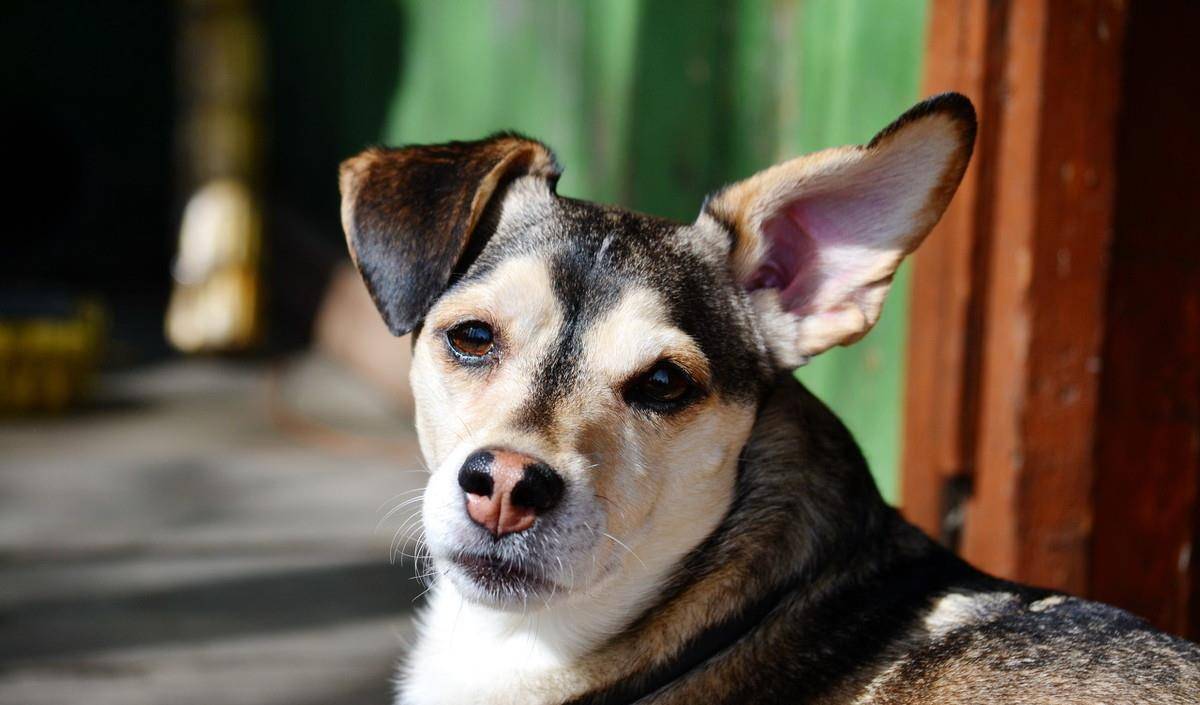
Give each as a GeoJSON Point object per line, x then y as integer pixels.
{"type": "Point", "coordinates": [216, 302]}
{"type": "Point", "coordinates": [48, 362]}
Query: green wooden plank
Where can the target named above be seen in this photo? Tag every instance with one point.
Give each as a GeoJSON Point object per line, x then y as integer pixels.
{"type": "Point", "coordinates": [860, 68]}
{"type": "Point", "coordinates": [473, 67]}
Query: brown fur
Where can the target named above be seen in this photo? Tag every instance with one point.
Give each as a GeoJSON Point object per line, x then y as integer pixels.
{"type": "Point", "coordinates": [446, 189]}
{"type": "Point", "coordinates": [857, 582]}
{"type": "Point", "coordinates": [777, 573]}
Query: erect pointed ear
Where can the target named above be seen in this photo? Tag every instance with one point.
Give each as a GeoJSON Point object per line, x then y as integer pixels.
{"type": "Point", "coordinates": [410, 214]}
{"type": "Point", "coordinates": [819, 238]}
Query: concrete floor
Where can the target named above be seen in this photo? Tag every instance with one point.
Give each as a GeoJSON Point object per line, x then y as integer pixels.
{"type": "Point", "coordinates": [206, 532]}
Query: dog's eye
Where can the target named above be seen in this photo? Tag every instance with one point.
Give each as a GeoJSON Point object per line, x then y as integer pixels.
{"type": "Point", "coordinates": [662, 388]}
{"type": "Point", "coordinates": [470, 339]}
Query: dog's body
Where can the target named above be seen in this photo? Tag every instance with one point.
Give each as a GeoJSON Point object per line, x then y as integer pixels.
{"type": "Point", "coordinates": [631, 498]}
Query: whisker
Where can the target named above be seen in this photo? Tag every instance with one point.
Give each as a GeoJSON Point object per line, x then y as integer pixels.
{"type": "Point", "coordinates": [416, 554]}
{"type": "Point", "coordinates": [395, 497]}
{"type": "Point", "coordinates": [423, 592]}
{"type": "Point", "coordinates": [622, 545]}
{"type": "Point", "coordinates": [397, 509]}
{"type": "Point", "coordinates": [400, 538]}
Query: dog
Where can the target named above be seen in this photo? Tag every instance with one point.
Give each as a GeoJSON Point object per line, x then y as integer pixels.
{"type": "Point", "coordinates": [632, 499]}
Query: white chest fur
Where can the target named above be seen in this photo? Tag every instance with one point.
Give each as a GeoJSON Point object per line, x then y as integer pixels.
{"type": "Point", "coordinates": [468, 653]}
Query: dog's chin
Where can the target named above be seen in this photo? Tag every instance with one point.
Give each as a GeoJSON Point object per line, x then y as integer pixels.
{"type": "Point", "coordinates": [502, 584]}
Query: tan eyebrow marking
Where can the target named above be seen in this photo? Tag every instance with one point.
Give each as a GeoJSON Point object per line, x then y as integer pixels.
{"type": "Point", "coordinates": [635, 334]}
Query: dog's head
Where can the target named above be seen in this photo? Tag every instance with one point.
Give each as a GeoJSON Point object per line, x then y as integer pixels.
{"type": "Point", "coordinates": [585, 377]}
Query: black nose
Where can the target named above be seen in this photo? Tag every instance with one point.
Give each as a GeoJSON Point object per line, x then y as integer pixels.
{"type": "Point", "coordinates": [475, 476]}
{"type": "Point", "coordinates": [540, 488]}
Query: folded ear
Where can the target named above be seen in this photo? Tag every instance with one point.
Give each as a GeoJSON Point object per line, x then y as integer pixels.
{"type": "Point", "coordinates": [821, 236]}
{"type": "Point", "coordinates": [410, 214]}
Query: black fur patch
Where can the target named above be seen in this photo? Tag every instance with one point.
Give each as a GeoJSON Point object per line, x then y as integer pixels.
{"type": "Point", "coordinates": [954, 105]}
{"type": "Point", "coordinates": [411, 213]}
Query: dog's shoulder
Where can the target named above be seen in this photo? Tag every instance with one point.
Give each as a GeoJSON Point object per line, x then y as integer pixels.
{"type": "Point", "coordinates": [1006, 643]}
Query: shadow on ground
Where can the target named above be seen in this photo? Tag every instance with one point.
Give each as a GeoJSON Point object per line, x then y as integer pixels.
{"type": "Point", "coordinates": [252, 605]}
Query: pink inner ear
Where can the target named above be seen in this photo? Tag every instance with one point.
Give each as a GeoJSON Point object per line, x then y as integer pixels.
{"type": "Point", "coordinates": [814, 246]}
{"type": "Point", "coordinates": [791, 263]}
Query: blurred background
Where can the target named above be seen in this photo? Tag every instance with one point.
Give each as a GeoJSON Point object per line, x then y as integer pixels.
{"type": "Point", "coordinates": [205, 433]}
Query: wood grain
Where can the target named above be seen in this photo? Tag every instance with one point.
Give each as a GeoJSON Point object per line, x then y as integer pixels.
{"type": "Point", "coordinates": [1148, 439]}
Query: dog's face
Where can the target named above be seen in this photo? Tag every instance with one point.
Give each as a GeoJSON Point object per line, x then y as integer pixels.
{"type": "Point", "coordinates": [585, 377]}
{"type": "Point", "coordinates": [616, 350]}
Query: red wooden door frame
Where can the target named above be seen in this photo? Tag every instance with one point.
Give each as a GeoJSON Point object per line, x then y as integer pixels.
{"type": "Point", "coordinates": [1053, 387]}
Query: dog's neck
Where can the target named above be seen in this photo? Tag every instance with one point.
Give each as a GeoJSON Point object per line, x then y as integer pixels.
{"type": "Point", "coordinates": [804, 504]}
{"type": "Point", "coordinates": [498, 656]}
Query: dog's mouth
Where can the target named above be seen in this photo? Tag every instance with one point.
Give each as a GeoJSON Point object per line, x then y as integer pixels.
{"type": "Point", "coordinates": [502, 578]}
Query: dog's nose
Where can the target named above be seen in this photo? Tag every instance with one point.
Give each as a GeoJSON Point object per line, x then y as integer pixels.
{"type": "Point", "coordinates": [506, 490]}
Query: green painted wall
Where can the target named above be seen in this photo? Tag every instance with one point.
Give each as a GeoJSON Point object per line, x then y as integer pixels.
{"type": "Point", "coordinates": [653, 104]}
